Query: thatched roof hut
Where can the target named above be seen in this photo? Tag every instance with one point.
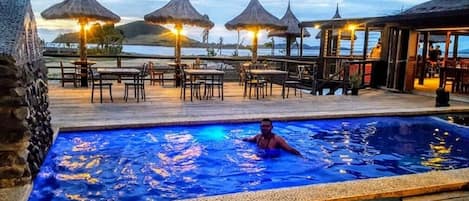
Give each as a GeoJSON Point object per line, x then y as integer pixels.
{"type": "Point", "coordinates": [435, 6]}
{"type": "Point", "coordinates": [255, 16]}
{"type": "Point", "coordinates": [179, 12]}
{"type": "Point", "coordinates": [90, 10]}
{"type": "Point", "coordinates": [292, 23]}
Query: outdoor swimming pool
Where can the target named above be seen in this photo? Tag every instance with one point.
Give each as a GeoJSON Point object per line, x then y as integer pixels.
{"type": "Point", "coordinates": [176, 162]}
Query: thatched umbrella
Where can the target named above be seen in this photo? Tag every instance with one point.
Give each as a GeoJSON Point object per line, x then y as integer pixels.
{"type": "Point", "coordinates": [179, 12]}
{"type": "Point", "coordinates": [255, 18]}
{"type": "Point", "coordinates": [84, 11]}
{"type": "Point", "coordinates": [293, 31]}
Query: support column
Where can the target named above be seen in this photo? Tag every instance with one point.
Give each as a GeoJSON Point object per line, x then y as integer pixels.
{"type": "Point", "coordinates": [426, 37]}
{"type": "Point", "coordinates": [301, 41]}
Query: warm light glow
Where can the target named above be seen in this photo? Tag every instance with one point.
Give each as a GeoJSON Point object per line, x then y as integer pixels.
{"type": "Point", "coordinates": [352, 27]}
{"type": "Point", "coordinates": [251, 34]}
{"type": "Point", "coordinates": [176, 32]}
{"type": "Point", "coordinates": [78, 27]}
{"type": "Point", "coordinates": [317, 26]}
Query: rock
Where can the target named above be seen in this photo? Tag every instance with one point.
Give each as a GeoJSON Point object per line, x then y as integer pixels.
{"type": "Point", "coordinates": [21, 113]}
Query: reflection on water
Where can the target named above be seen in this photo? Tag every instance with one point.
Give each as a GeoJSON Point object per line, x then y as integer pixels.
{"type": "Point", "coordinates": [170, 163]}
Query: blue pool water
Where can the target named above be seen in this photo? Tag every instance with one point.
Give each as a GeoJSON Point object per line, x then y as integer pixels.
{"type": "Point", "coordinates": [166, 163]}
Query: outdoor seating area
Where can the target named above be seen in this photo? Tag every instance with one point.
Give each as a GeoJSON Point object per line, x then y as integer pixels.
{"type": "Point", "coordinates": [198, 81]}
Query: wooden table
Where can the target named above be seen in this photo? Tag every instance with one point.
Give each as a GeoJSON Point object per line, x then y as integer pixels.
{"type": "Point", "coordinates": [83, 70]}
{"type": "Point", "coordinates": [271, 73]}
{"type": "Point", "coordinates": [459, 73]}
{"type": "Point", "coordinates": [118, 72]}
{"type": "Point", "coordinates": [193, 73]}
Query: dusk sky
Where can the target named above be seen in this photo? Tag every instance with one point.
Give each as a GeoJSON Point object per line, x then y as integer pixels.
{"type": "Point", "coordinates": [221, 12]}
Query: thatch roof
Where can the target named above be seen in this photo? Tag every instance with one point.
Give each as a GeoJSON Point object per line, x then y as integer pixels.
{"type": "Point", "coordinates": [290, 20]}
{"type": "Point", "coordinates": [255, 16]}
{"type": "Point", "coordinates": [179, 12]}
{"type": "Point", "coordinates": [438, 6]}
{"type": "Point", "coordinates": [79, 9]}
{"type": "Point", "coordinates": [337, 14]}
{"type": "Point", "coordinates": [345, 34]}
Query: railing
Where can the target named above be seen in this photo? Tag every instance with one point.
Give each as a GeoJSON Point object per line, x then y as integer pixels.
{"type": "Point", "coordinates": [337, 76]}
{"type": "Point", "coordinates": [122, 61]}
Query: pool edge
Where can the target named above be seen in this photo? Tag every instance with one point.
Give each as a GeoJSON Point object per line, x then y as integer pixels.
{"type": "Point", "coordinates": [276, 117]}
{"type": "Point", "coordinates": [366, 189]}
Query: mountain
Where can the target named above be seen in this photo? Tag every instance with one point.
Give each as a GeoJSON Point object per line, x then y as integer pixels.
{"type": "Point", "coordinates": [283, 45]}
{"type": "Point", "coordinates": [139, 33]}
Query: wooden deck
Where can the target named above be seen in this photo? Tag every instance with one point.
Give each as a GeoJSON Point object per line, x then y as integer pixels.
{"type": "Point", "coordinates": [71, 108]}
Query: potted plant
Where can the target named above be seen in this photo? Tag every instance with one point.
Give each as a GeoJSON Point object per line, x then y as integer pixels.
{"type": "Point", "coordinates": [355, 82]}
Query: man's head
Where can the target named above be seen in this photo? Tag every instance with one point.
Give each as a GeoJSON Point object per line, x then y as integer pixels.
{"type": "Point", "coordinates": [266, 127]}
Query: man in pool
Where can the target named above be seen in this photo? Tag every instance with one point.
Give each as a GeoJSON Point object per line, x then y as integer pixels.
{"type": "Point", "coordinates": [270, 141]}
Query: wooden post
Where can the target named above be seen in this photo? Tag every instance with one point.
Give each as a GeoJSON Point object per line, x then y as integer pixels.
{"type": "Point", "coordinates": [426, 37]}
{"type": "Point", "coordinates": [254, 46]}
{"type": "Point", "coordinates": [301, 41]}
{"type": "Point", "coordinates": [365, 45]}
{"type": "Point", "coordinates": [83, 53]}
{"type": "Point", "coordinates": [447, 41]}
{"type": "Point", "coordinates": [352, 41]}
{"type": "Point", "coordinates": [178, 28]}
{"type": "Point", "coordinates": [288, 46]}
{"type": "Point", "coordinates": [178, 67]}
{"type": "Point", "coordinates": [339, 37]}
{"type": "Point", "coordinates": [455, 46]}
{"type": "Point", "coordinates": [119, 65]}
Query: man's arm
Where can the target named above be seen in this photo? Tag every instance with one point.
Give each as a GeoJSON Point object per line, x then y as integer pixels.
{"type": "Point", "coordinates": [287, 147]}
{"type": "Point", "coordinates": [250, 139]}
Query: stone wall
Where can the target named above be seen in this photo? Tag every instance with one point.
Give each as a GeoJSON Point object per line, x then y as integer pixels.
{"type": "Point", "coordinates": [25, 132]}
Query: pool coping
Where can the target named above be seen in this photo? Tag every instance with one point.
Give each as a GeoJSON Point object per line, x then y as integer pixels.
{"type": "Point", "coordinates": [275, 117]}
{"type": "Point", "coordinates": [331, 191]}
{"type": "Point", "coordinates": [366, 189]}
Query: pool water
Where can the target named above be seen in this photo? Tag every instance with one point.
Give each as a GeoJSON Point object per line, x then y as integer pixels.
{"type": "Point", "coordinates": [177, 162]}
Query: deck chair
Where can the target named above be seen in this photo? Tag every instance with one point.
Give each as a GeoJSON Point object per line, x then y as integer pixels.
{"type": "Point", "coordinates": [137, 85]}
{"type": "Point", "coordinates": [294, 81]}
{"type": "Point", "coordinates": [68, 75]}
{"type": "Point", "coordinates": [155, 75]}
{"type": "Point", "coordinates": [94, 79]}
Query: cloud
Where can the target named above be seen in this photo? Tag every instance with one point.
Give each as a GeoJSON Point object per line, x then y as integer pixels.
{"type": "Point", "coordinates": [221, 12]}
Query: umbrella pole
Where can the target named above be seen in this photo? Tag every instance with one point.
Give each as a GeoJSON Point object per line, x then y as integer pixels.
{"type": "Point", "coordinates": [254, 46]}
{"type": "Point", "coordinates": [178, 69]}
{"type": "Point", "coordinates": [83, 53]}
{"type": "Point", "coordinates": [178, 28]}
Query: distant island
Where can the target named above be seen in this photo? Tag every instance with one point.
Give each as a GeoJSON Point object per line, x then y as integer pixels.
{"type": "Point", "coordinates": [142, 33]}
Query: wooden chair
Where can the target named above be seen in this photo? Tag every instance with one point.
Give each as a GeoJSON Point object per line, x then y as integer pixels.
{"type": "Point", "coordinates": [138, 84]}
{"type": "Point", "coordinates": [68, 75]}
{"type": "Point", "coordinates": [95, 82]}
{"type": "Point", "coordinates": [187, 83]}
{"type": "Point", "coordinates": [260, 85]}
{"type": "Point", "coordinates": [450, 78]}
{"type": "Point", "coordinates": [295, 80]}
{"type": "Point", "coordinates": [155, 75]}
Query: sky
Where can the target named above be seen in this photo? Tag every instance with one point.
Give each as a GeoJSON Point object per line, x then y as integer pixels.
{"type": "Point", "coordinates": [221, 12]}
